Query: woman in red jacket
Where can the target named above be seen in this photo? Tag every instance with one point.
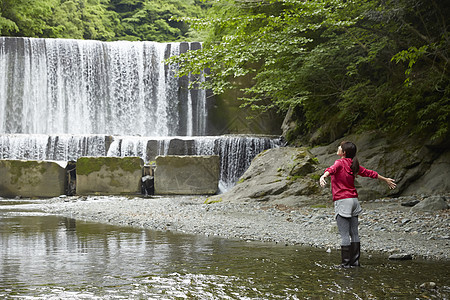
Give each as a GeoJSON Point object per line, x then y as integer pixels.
{"type": "Point", "coordinates": [345, 198]}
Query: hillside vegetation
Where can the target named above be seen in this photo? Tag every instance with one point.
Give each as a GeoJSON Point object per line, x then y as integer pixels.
{"type": "Point", "coordinates": [338, 66]}
{"type": "Point", "coordinates": [106, 20]}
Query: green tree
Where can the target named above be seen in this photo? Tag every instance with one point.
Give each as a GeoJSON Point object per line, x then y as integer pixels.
{"type": "Point", "coordinates": [83, 19]}
{"type": "Point", "coordinates": [332, 61]}
{"type": "Point", "coordinates": [25, 17]}
{"type": "Point", "coordinates": [80, 19]}
{"type": "Point", "coordinates": [156, 20]}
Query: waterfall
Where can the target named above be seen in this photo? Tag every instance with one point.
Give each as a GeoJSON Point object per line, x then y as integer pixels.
{"type": "Point", "coordinates": [51, 147]}
{"type": "Point", "coordinates": [56, 86]}
{"type": "Point", "coordinates": [63, 99]}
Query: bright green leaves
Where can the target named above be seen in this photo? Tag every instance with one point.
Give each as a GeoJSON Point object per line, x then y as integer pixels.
{"type": "Point", "coordinates": [25, 17]}
{"type": "Point", "coordinates": [7, 26]}
{"type": "Point", "coordinates": [157, 20]}
{"type": "Point", "coordinates": [411, 56]}
{"type": "Point", "coordinates": [88, 19]}
{"type": "Point", "coordinates": [82, 20]}
{"type": "Point", "coordinates": [264, 36]}
{"type": "Point", "coordinates": [154, 20]}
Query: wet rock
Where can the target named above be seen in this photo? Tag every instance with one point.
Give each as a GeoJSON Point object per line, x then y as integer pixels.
{"type": "Point", "coordinates": [428, 285]}
{"type": "Point", "coordinates": [181, 147]}
{"type": "Point", "coordinates": [148, 185]}
{"type": "Point", "coordinates": [433, 203]}
{"type": "Point", "coordinates": [400, 256]}
{"type": "Point", "coordinates": [410, 203]}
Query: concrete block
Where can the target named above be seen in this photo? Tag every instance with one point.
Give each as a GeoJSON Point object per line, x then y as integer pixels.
{"type": "Point", "coordinates": [187, 175]}
{"type": "Point", "coordinates": [32, 178]}
{"type": "Point", "coordinates": [109, 175]}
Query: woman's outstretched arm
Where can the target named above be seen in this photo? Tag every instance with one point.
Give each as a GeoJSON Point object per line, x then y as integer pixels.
{"type": "Point", "coordinates": [389, 181]}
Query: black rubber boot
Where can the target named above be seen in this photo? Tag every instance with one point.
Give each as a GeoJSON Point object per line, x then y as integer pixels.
{"type": "Point", "coordinates": [355, 249]}
{"type": "Point", "coordinates": [345, 255]}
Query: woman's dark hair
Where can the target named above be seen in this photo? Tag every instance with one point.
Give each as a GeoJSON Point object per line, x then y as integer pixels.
{"type": "Point", "coordinates": [350, 152]}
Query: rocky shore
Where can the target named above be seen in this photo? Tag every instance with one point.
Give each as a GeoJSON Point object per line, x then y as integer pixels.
{"type": "Point", "coordinates": [386, 225]}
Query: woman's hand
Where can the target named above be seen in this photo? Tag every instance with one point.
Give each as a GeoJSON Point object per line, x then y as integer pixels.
{"type": "Point", "coordinates": [322, 180]}
{"type": "Point", "coordinates": [389, 181]}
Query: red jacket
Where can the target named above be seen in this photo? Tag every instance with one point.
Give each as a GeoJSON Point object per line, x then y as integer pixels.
{"type": "Point", "coordinates": [342, 180]}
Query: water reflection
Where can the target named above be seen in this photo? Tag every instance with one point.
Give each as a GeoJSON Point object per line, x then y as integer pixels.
{"type": "Point", "coordinates": [44, 256]}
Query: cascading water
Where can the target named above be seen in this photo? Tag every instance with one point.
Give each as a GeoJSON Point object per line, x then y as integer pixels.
{"type": "Point", "coordinates": [51, 147]}
{"type": "Point", "coordinates": [236, 153]}
{"type": "Point", "coordinates": [63, 99]}
{"type": "Point", "coordinates": [53, 86]}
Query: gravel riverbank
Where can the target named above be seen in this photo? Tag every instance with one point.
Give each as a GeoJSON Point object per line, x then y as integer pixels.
{"type": "Point", "coordinates": [385, 225]}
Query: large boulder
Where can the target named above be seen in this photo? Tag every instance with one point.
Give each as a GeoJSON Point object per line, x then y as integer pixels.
{"type": "Point", "coordinates": [285, 176]}
{"type": "Point", "coordinates": [187, 175]}
{"type": "Point", "coordinates": [32, 178]}
{"type": "Point", "coordinates": [433, 203]}
{"type": "Point", "coordinates": [109, 175]}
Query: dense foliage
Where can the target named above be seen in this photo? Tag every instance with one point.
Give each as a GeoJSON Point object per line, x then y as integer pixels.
{"type": "Point", "coordinates": [153, 20]}
{"type": "Point", "coordinates": [341, 66]}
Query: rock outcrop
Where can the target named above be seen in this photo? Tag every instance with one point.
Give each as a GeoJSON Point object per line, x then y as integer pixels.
{"type": "Point", "coordinates": [290, 175]}
{"type": "Point", "coordinates": [281, 175]}
{"type": "Point", "coordinates": [418, 168]}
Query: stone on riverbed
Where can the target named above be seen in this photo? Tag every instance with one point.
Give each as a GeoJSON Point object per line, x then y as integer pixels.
{"type": "Point", "coordinates": [410, 203]}
{"type": "Point", "coordinates": [187, 175]}
{"type": "Point", "coordinates": [109, 175]}
{"type": "Point", "coordinates": [32, 178]}
{"type": "Point", "coordinates": [431, 204]}
{"type": "Point", "coordinates": [400, 256]}
{"type": "Point", "coordinates": [428, 285]}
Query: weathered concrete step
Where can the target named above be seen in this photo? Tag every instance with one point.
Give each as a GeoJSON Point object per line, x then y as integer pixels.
{"type": "Point", "coordinates": [32, 178]}
{"type": "Point", "coordinates": [174, 175]}
{"type": "Point", "coordinates": [187, 175]}
{"type": "Point", "coordinates": [109, 175]}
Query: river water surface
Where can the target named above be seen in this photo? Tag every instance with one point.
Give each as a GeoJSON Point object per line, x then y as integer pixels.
{"type": "Point", "coordinates": [50, 257]}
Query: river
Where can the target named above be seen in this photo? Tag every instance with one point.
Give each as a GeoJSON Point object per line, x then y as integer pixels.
{"type": "Point", "coordinates": [45, 256]}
